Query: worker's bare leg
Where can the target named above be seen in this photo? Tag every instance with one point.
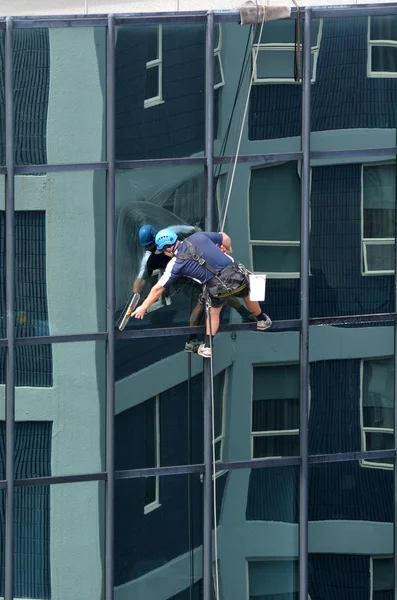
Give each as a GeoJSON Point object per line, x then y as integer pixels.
{"type": "Point", "coordinates": [197, 313]}
{"type": "Point", "coordinates": [252, 306]}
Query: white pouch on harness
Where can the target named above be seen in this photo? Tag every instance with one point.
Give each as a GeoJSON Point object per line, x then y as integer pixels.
{"type": "Point", "coordinates": [257, 287]}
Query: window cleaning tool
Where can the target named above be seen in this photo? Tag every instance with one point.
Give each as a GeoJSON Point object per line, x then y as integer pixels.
{"type": "Point", "coordinates": [128, 309]}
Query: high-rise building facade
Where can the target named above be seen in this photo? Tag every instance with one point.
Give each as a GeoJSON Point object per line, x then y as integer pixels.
{"type": "Point", "coordinates": [125, 472]}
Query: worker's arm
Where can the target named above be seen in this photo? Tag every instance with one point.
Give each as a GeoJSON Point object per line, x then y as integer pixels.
{"type": "Point", "coordinates": [226, 242]}
{"type": "Point", "coordinates": [154, 295]}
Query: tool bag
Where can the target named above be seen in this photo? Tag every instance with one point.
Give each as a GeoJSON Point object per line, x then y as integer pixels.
{"type": "Point", "coordinates": [227, 282]}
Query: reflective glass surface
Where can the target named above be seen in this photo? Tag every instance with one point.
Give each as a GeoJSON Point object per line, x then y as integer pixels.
{"type": "Point", "coordinates": [265, 234]}
{"type": "Point", "coordinates": [60, 270]}
{"type": "Point", "coordinates": [274, 118]}
{"type": "Point", "coordinates": [2, 101]}
{"type": "Point", "coordinates": [160, 87]}
{"type": "Point", "coordinates": [159, 197]}
{"type": "Point", "coordinates": [59, 540]}
{"type": "Point", "coordinates": [2, 260]}
{"type": "Point", "coordinates": [2, 539]}
{"type": "Point", "coordinates": [158, 544]}
{"type": "Point", "coordinates": [351, 517]}
{"type": "Point", "coordinates": [261, 414]}
{"type": "Point", "coordinates": [355, 91]}
{"type": "Point", "coordinates": [352, 214]}
{"type": "Point", "coordinates": [351, 379]}
{"type": "Point", "coordinates": [260, 510]}
{"type": "Point", "coordinates": [159, 407]}
{"type": "Point", "coordinates": [59, 110]}
{"type": "Point", "coordinates": [59, 409]}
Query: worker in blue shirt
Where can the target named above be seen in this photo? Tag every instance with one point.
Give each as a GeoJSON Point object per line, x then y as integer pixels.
{"type": "Point", "coordinates": [153, 261]}
{"type": "Point", "coordinates": [200, 258]}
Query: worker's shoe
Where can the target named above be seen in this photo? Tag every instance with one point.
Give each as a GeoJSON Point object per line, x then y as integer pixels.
{"type": "Point", "coordinates": [204, 351]}
{"type": "Point", "coordinates": [263, 325]}
{"type": "Point", "coordinates": [192, 345]}
{"type": "Point", "coordinates": [249, 318]}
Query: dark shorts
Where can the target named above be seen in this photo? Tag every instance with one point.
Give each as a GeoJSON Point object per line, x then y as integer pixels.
{"type": "Point", "coordinates": [234, 281]}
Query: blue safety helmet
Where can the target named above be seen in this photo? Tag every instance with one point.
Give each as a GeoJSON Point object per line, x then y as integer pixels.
{"type": "Point", "coordinates": [147, 235]}
{"type": "Point", "coordinates": [165, 237]}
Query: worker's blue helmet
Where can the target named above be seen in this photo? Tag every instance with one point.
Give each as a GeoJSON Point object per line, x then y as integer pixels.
{"type": "Point", "coordinates": [165, 237]}
{"type": "Point", "coordinates": [147, 235]}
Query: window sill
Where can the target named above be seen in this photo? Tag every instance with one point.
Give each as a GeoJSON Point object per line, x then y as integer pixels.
{"type": "Point", "coordinates": [374, 465]}
{"type": "Point", "coordinates": [151, 507]}
{"type": "Point", "coordinates": [152, 102]}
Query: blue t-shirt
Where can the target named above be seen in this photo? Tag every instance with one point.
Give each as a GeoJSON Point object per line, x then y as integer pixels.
{"type": "Point", "coordinates": [205, 246]}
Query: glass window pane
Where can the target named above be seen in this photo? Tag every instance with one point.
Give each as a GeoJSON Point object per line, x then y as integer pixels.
{"type": "Point", "coordinates": [61, 253]}
{"type": "Point", "coordinates": [379, 186]}
{"type": "Point", "coordinates": [366, 117]}
{"type": "Point", "coordinates": [276, 445]}
{"type": "Point", "coordinates": [275, 415]}
{"type": "Point", "coordinates": [380, 257]}
{"type": "Point", "coordinates": [152, 42]}
{"type": "Point", "coordinates": [276, 259]}
{"type": "Point", "coordinates": [60, 409]}
{"type": "Point", "coordinates": [383, 28]}
{"type": "Point", "coordinates": [176, 127]}
{"type": "Point", "coordinates": [160, 197]}
{"type": "Point", "coordinates": [2, 103]}
{"type": "Point", "coordinates": [60, 110]}
{"type": "Point", "coordinates": [2, 261]}
{"type": "Point", "coordinates": [351, 518]}
{"type": "Point", "coordinates": [217, 70]}
{"type": "Point", "coordinates": [379, 223]}
{"type": "Point", "coordinates": [350, 389]}
{"type": "Point", "coordinates": [274, 203]}
{"type": "Point", "coordinates": [275, 64]}
{"type": "Point", "coordinates": [384, 59]}
{"type": "Point", "coordinates": [273, 579]}
{"type": "Point", "coordinates": [378, 383]}
{"type": "Point", "coordinates": [337, 252]}
{"type": "Point", "coordinates": [157, 554]}
{"type": "Point", "coordinates": [379, 441]}
{"type": "Point", "coordinates": [152, 83]}
{"type": "Point", "coordinates": [59, 540]}
{"type": "Point", "coordinates": [157, 367]}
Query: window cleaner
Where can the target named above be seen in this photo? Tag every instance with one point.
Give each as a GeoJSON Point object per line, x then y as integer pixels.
{"type": "Point", "coordinates": [198, 257]}
{"type": "Point", "coordinates": [152, 262]}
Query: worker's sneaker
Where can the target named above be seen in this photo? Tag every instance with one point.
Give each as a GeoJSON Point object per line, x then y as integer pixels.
{"type": "Point", "coordinates": [192, 345]}
{"type": "Point", "coordinates": [263, 325]}
{"type": "Point", "coordinates": [249, 318]}
{"type": "Point", "coordinates": [204, 351]}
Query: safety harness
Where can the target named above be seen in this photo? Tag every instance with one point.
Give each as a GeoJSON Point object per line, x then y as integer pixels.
{"type": "Point", "coordinates": [236, 267]}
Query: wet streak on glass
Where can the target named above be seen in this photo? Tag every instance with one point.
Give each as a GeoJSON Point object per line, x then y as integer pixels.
{"type": "Point", "coordinates": [160, 197]}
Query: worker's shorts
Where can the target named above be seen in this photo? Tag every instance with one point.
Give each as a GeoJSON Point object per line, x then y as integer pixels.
{"type": "Point", "coordinates": [231, 281]}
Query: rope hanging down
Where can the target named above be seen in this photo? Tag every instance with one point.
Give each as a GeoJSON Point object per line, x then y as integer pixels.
{"type": "Point", "coordinates": [251, 13]}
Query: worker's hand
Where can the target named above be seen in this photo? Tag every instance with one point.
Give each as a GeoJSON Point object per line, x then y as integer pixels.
{"type": "Point", "coordinates": [139, 312]}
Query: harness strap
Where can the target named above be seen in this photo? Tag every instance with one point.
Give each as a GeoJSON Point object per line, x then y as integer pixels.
{"type": "Point", "coordinates": [194, 256]}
